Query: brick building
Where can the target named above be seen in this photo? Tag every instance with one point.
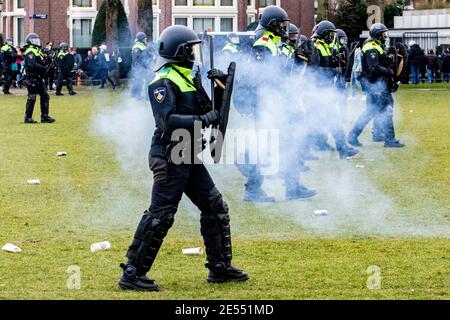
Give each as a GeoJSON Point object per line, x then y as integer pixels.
{"type": "Point", "coordinates": [73, 20]}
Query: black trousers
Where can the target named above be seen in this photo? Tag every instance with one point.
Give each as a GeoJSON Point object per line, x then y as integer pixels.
{"type": "Point", "coordinates": [170, 183]}
{"type": "Point", "coordinates": [7, 79]}
{"type": "Point", "coordinates": [104, 76]}
{"type": "Point", "coordinates": [36, 86]}
{"type": "Point", "coordinates": [61, 78]}
{"type": "Point", "coordinates": [379, 108]}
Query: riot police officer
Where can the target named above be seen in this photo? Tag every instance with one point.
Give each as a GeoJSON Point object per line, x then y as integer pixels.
{"type": "Point", "coordinates": [36, 71]}
{"type": "Point", "coordinates": [65, 65]}
{"type": "Point", "coordinates": [377, 80]}
{"type": "Point", "coordinates": [271, 49]}
{"type": "Point", "coordinates": [179, 102]}
{"type": "Point", "coordinates": [51, 64]}
{"type": "Point", "coordinates": [326, 62]}
{"type": "Point", "coordinates": [232, 47]}
{"type": "Point", "coordinates": [140, 61]}
{"type": "Point", "coordinates": [8, 57]}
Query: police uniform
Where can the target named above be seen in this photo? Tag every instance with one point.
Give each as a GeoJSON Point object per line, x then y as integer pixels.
{"type": "Point", "coordinates": [35, 69]}
{"type": "Point", "coordinates": [8, 57]}
{"type": "Point", "coordinates": [380, 103]}
{"type": "Point", "coordinates": [327, 71]}
{"type": "Point", "coordinates": [271, 49]}
{"type": "Point", "coordinates": [65, 66]}
{"type": "Point", "coordinates": [140, 60]}
{"type": "Point", "coordinates": [179, 102]}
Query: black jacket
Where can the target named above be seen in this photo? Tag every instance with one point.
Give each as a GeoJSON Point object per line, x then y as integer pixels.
{"type": "Point", "coordinates": [445, 68]}
{"type": "Point", "coordinates": [174, 109]}
{"type": "Point", "coordinates": [416, 56]}
{"type": "Point", "coordinates": [35, 65]}
{"type": "Point", "coordinates": [8, 57]}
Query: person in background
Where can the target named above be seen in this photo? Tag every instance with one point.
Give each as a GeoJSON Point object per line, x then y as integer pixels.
{"type": "Point", "coordinates": [415, 57]}
{"type": "Point", "coordinates": [104, 64]}
{"type": "Point", "coordinates": [356, 70]}
{"type": "Point", "coordinates": [8, 57]}
{"type": "Point", "coordinates": [445, 66]}
{"type": "Point", "coordinates": [432, 65]}
{"type": "Point", "coordinates": [77, 72]}
{"type": "Point", "coordinates": [18, 67]}
{"type": "Point", "coordinates": [94, 66]}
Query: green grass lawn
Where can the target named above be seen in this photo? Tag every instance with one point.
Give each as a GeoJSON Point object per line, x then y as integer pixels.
{"type": "Point", "coordinates": [394, 213]}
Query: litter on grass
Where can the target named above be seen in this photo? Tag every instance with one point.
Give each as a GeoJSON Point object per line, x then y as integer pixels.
{"type": "Point", "coordinates": [61, 154]}
{"type": "Point", "coordinates": [105, 245]}
{"type": "Point", "coordinates": [193, 251]}
{"type": "Point", "coordinates": [9, 247]}
{"type": "Point", "coordinates": [321, 213]}
{"type": "Point", "coordinates": [34, 181]}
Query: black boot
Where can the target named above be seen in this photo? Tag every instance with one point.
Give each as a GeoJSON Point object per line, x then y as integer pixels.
{"type": "Point", "coordinates": [29, 120]}
{"type": "Point", "coordinates": [299, 192]}
{"type": "Point", "coordinates": [47, 119]}
{"type": "Point", "coordinates": [353, 140]}
{"type": "Point", "coordinates": [220, 272]}
{"type": "Point", "coordinates": [59, 94]}
{"type": "Point", "coordinates": [133, 280]}
{"type": "Point", "coordinates": [347, 152]}
{"type": "Point", "coordinates": [257, 195]}
{"type": "Point", "coordinates": [393, 144]}
{"type": "Point", "coordinates": [72, 93]}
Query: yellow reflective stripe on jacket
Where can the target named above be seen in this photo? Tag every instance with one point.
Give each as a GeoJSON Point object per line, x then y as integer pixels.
{"type": "Point", "coordinates": [288, 50]}
{"type": "Point", "coordinates": [140, 46]}
{"type": "Point", "coordinates": [269, 40]}
{"type": "Point", "coordinates": [176, 78]}
{"type": "Point", "coordinates": [5, 48]}
{"type": "Point", "coordinates": [37, 52]}
{"type": "Point", "coordinates": [62, 54]}
{"type": "Point", "coordinates": [323, 48]}
{"type": "Point", "coordinates": [230, 47]}
{"type": "Point", "coordinates": [373, 44]}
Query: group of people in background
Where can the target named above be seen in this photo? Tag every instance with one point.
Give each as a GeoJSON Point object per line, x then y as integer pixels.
{"type": "Point", "coordinates": [427, 66]}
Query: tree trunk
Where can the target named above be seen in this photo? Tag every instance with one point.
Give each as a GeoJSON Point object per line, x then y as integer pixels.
{"type": "Point", "coordinates": [111, 19]}
{"type": "Point", "coordinates": [145, 17]}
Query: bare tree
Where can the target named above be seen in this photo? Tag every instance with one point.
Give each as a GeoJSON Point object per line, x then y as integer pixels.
{"type": "Point", "coordinates": [145, 17]}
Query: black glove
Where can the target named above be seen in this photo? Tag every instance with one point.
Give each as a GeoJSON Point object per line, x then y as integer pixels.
{"type": "Point", "coordinates": [216, 74]}
{"type": "Point", "coordinates": [210, 118]}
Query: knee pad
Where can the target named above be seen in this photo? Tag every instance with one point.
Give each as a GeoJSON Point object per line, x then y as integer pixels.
{"type": "Point", "coordinates": [216, 202]}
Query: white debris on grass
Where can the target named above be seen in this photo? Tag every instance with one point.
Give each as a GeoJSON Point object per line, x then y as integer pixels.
{"type": "Point", "coordinates": [9, 247]}
{"type": "Point", "coordinates": [105, 245]}
{"type": "Point", "coordinates": [359, 166]}
{"type": "Point", "coordinates": [321, 213]}
{"type": "Point", "coordinates": [34, 181]}
{"type": "Point", "coordinates": [61, 154]}
{"type": "Point", "coordinates": [193, 251]}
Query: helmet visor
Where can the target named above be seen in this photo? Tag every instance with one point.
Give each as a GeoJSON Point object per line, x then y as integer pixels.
{"type": "Point", "coordinates": [283, 27]}
{"type": "Point", "coordinates": [235, 40]}
{"type": "Point", "coordinates": [343, 41]}
{"type": "Point", "coordinates": [195, 52]}
{"type": "Point", "coordinates": [385, 39]}
{"type": "Point", "coordinates": [35, 41]}
{"type": "Point", "coordinates": [330, 36]}
{"type": "Point", "coordinates": [9, 41]}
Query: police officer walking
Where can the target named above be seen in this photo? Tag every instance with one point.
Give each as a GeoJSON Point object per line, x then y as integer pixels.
{"type": "Point", "coordinates": [324, 35]}
{"type": "Point", "coordinates": [36, 71]}
{"type": "Point", "coordinates": [377, 80]}
{"type": "Point", "coordinates": [271, 49]}
{"type": "Point", "coordinates": [7, 58]}
{"type": "Point", "coordinates": [65, 65]}
{"type": "Point", "coordinates": [179, 102]}
{"type": "Point", "coordinates": [233, 46]}
{"type": "Point", "coordinates": [140, 63]}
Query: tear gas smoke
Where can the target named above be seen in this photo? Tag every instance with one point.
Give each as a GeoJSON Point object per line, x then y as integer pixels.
{"type": "Point", "coordinates": [292, 105]}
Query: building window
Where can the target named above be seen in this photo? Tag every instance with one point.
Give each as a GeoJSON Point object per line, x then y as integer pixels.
{"type": "Point", "coordinates": [20, 4]}
{"type": "Point", "coordinates": [82, 3]}
{"type": "Point", "coordinates": [155, 28]}
{"type": "Point", "coordinates": [204, 3]}
{"type": "Point", "coordinates": [181, 2]}
{"type": "Point", "coordinates": [226, 24]}
{"type": "Point", "coordinates": [265, 3]}
{"type": "Point", "coordinates": [20, 31]}
{"type": "Point", "coordinates": [226, 3]}
{"type": "Point", "coordinates": [202, 24]}
{"type": "Point", "coordinates": [82, 33]}
{"type": "Point", "coordinates": [181, 21]}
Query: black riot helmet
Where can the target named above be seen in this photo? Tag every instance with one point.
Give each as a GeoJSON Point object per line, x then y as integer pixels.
{"type": "Point", "coordinates": [141, 37]}
{"type": "Point", "coordinates": [64, 46]}
{"type": "Point", "coordinates": [379, 32]}
{"type": "Point", "coordinates": [276, 20]}
{"type": "Point", "coordinates": [178, 44]}
{"type": "Point", "coordinates": [303, 38]}
{"type": "Point", "coordinates": [342, 37]}
{"type": "Point", "coordinates": [33, 39]}
{"type": "Point", "coordinates": [233, 38]}
{"type": "Point", "coordinates": [9, 41]}
{"type": "Point", "coordinates": [293, 33]}
{"type": "Point", "coordinates": [259, 32]}
{"type": "Point", "coordinates": [325, 30]}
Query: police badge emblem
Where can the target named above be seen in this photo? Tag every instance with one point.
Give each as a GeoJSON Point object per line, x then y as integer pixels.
{"type": "Point", "coordinates": [159, 94]}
